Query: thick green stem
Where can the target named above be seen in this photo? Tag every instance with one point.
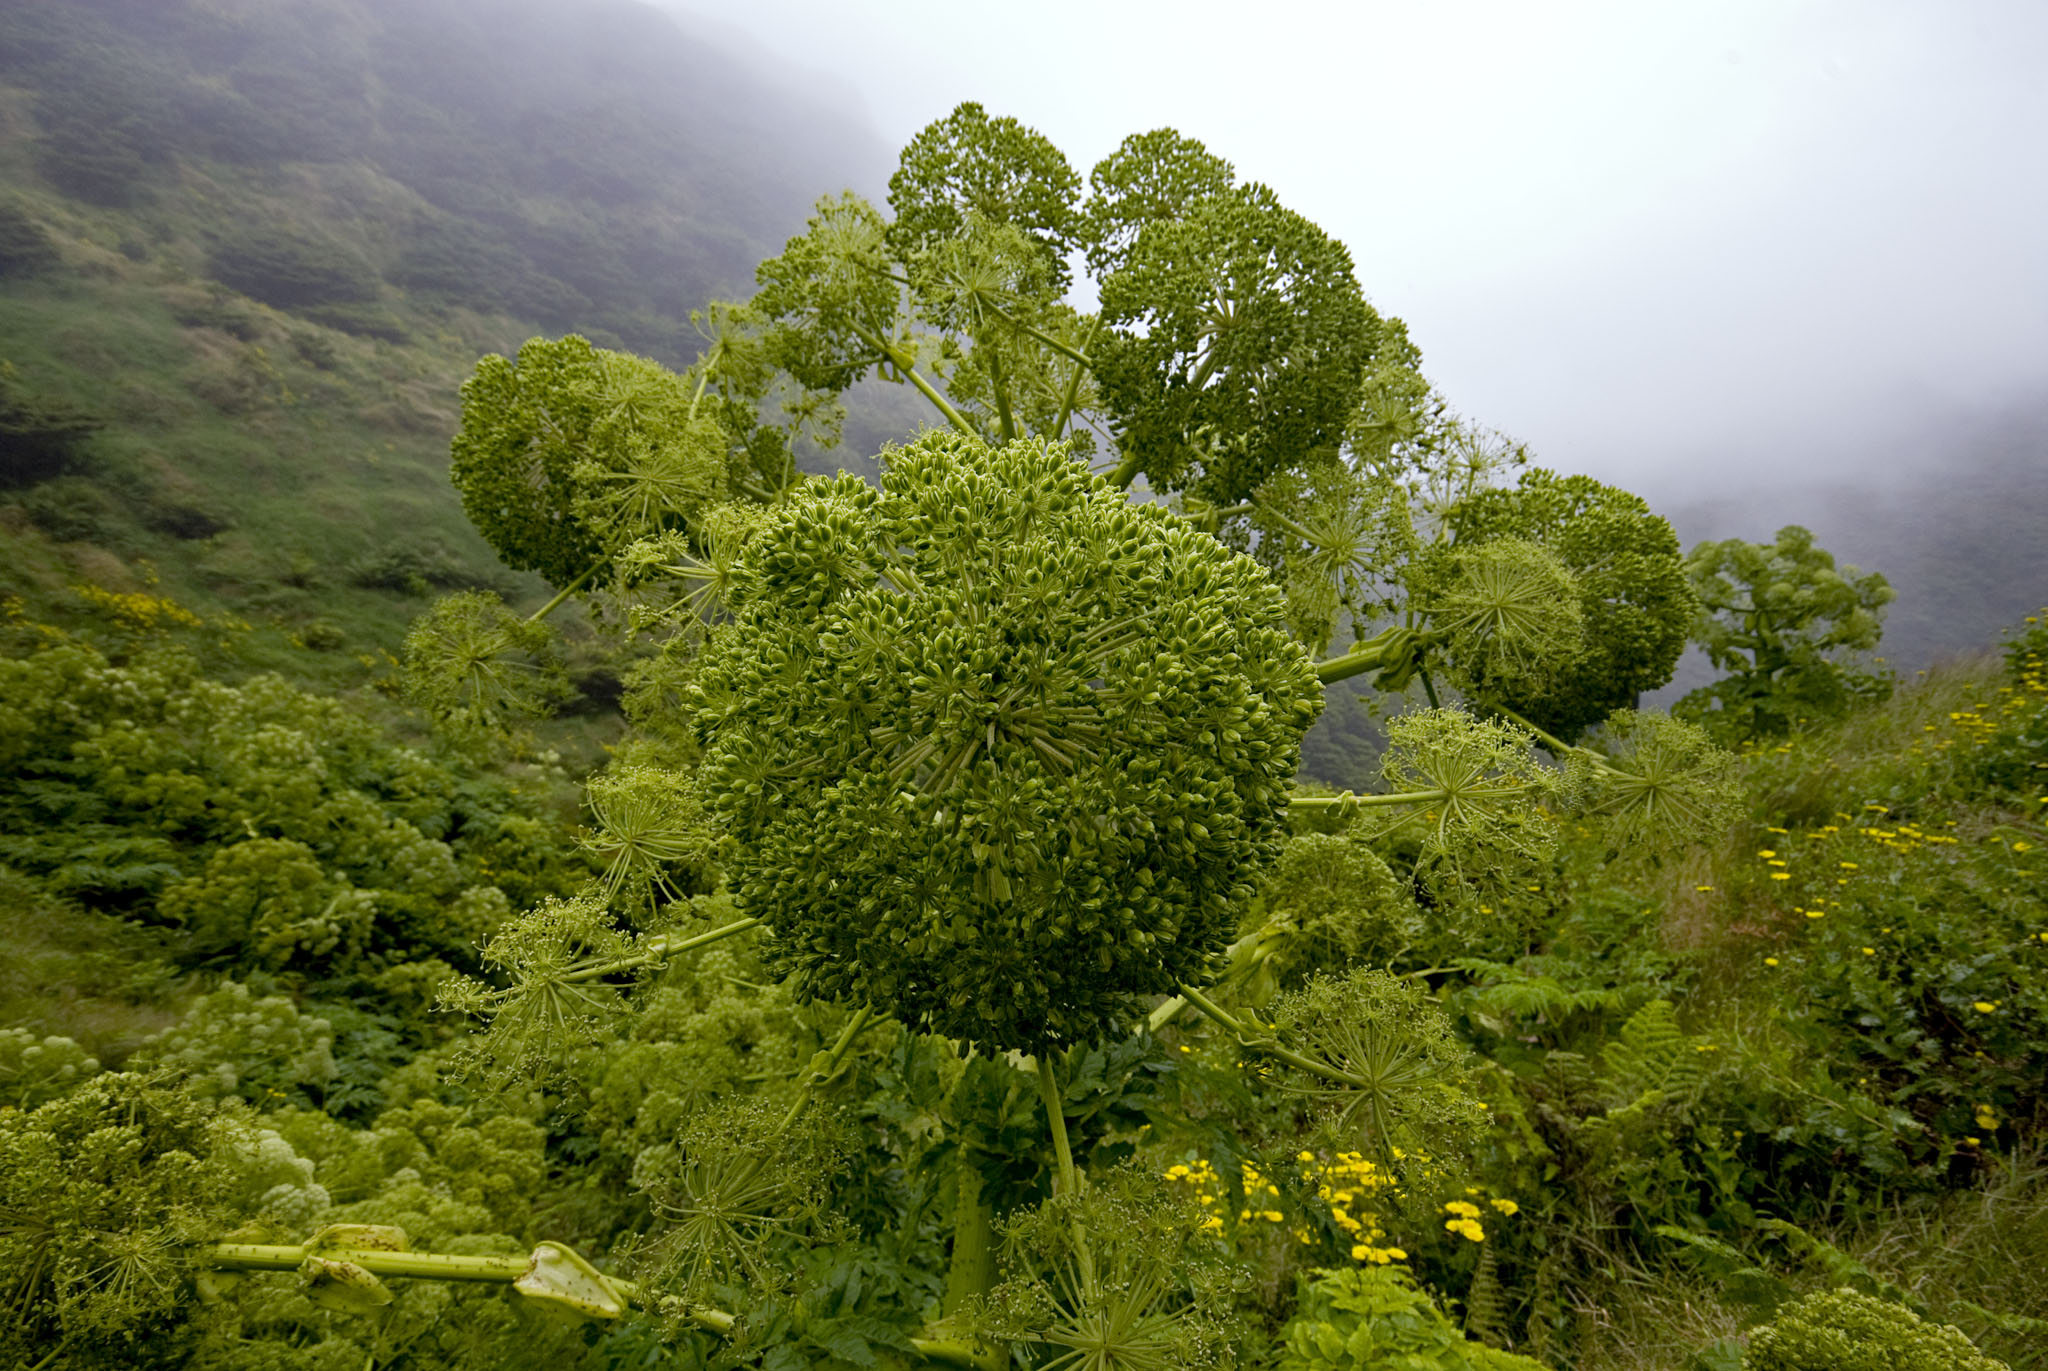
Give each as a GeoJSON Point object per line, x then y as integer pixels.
{"type": "Point", "coordinates": [505, 1270]}
{"type": "Point", "coordinates": [826, 1064]}
{"type": "Point", "coordinates": [1056, 1119]}
{"type": "Point", "coordinates": [1165, 1013]}
{"type": "Point", "coordinates": [698, 394]}
{"type": "Point", "coordinates": [656, 949]}
{"type": "Point", "coordinates": [1073, 389]}
{"type": "Point", "coordinates": [1357, 662]}
{"type": "Point", "coordinates": [1350, 801]}
{"type": "Point", "coordinates": [905, 364]}
{"type": "Point", "coordinates": [566, 591]}
{"type": "Point", "coordinates": [1006, 423]}
{"type": "Point", "coordinates": [1387, 648]}
{"type": "Point", "coordinates": [433, 1266]}
{"type": "Point", "coordinates": [1557, 745]}
{"type": "Point", "coordinates": [1169, 1010]}
{"type": "Point", "coordinates": [1050, 1091]}
{"type": "Point", "coordinates": [1127, 471]}
{"type": "Point", "coordinates": [971, 1271]}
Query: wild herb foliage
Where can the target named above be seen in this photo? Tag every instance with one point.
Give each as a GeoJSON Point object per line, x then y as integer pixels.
{"type": "Point", "coordinates": [1785, 625]}
{"type": "Point", "coordinates": [270, 829]}
{"type": "Point", "coordinates": [992, 760]}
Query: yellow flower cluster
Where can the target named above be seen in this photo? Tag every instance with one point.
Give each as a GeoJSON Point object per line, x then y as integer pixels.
{"type": "Point", "coordinates": [1980, 724]}
{"type": "Point", "coordinates": [1349, 1184]}
{"type": "Point", "coordinates": [1341, 1184]}
{"type": "Point", "coordinates": [1464, 1220]}
{"type": "Point", "coordinates": [138, 611]}
{"type": "Point", "coordinates": [1869, 837]}
{"type": "Point", "coordinates": [1201, 1177]}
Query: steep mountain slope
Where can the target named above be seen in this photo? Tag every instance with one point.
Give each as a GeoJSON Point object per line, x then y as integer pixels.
{"type": "Point", "coordinates": [249, 249]}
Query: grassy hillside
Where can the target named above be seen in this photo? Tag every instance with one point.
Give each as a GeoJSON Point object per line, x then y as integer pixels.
{"type": "Point", "coordinates": [249, 251]}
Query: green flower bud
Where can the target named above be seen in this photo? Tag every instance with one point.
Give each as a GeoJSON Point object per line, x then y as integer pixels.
{"type": "Point", "coordinates": [986, 704]}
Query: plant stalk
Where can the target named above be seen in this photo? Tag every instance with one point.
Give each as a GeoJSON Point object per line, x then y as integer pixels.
{"type": "Point", "coordinates": [1050, 1091]}
{"type": "Point", "coordinates": [1066, 350]}
{"type": "Point", "coordinates": [971, 1270]}
{"type": "Point", "coordinates": [904, 364]}
{"type": "Point", "coordinates": [826, 1064]}
{"type": "Point", "coordinates": [656, 949]}
{"type": "Point", "coordinates": [1266, 1044]}
{"type": "Point", "coordinates": [505, 1270]}
{"type": "Point", "coordinates": [1350, 801]}
{"type": "Point", "coordinates": [1073, 389]}
{"type": "Point", "coordinates": [565, 592]}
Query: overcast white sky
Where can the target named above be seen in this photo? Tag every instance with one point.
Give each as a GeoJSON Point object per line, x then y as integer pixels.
{"type": "Point", "coordinates": [1655, 239]}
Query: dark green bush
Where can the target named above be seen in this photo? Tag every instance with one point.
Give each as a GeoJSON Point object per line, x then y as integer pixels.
{"type": "Point", "coordinates": [291, 267]}
{"type": "Point", "coordinates": [72, 509]}
{"type": "Point", "coordinates": [40, 437]}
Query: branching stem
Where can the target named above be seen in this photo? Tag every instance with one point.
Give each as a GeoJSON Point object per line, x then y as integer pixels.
{"type": "Point", "coordinates": [1267, 1044]}
{"type": "Point", "coordinates": [957, 1352]}
{"type": "Point", "coordinates": [826, 1064]}
{"type": "Point", "coordinates": [656, 949]}
{"type": "Point", "coordinates": [1066, 350]}
{"type": "Point", "coordinates": [566, 591]}
{"type": "Point", "coordinates": [1350, 801]}
{"type": "Point", "coordinates": [1374, 653]}
{"type": "Point", "coordinates": [1054, 1096]}
{"type": "Point", "coordinates": [1073, 390]}
{"type": "Point", "coordinates": [904, 363]}
{"type": "Point", "coordinates": [1555, 744]}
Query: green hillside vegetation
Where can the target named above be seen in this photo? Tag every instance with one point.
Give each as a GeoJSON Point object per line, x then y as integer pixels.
{"type": "Point", "coordinates": [247, 252]}
{"type": "Point", "coordinates": [1806, 1056]}
{"type": "Point", "coordinates": [944, 965]}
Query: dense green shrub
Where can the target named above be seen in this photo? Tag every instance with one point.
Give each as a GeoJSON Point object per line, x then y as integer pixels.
{"type": "Point", "coordinates": [1786, 625]}
{"type": "Point", "coordinates": [232, 1043]}
{"type": "Point", "coordinates": [74, 509]}
{"type": "Point", "coordinates": [33, 1071]}
{"type": "Point", "coordinates": [1846, 1331]}
{"type": "Point", "coordinates": [1373, 1318]}
{"type": "Point", "coordinates": [277, 829]}
{"type": "Point", "coordinates": [98, 161]}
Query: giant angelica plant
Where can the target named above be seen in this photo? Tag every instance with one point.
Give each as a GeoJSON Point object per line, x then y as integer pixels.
{"type": "Point", "coordinates": [991, 768]}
